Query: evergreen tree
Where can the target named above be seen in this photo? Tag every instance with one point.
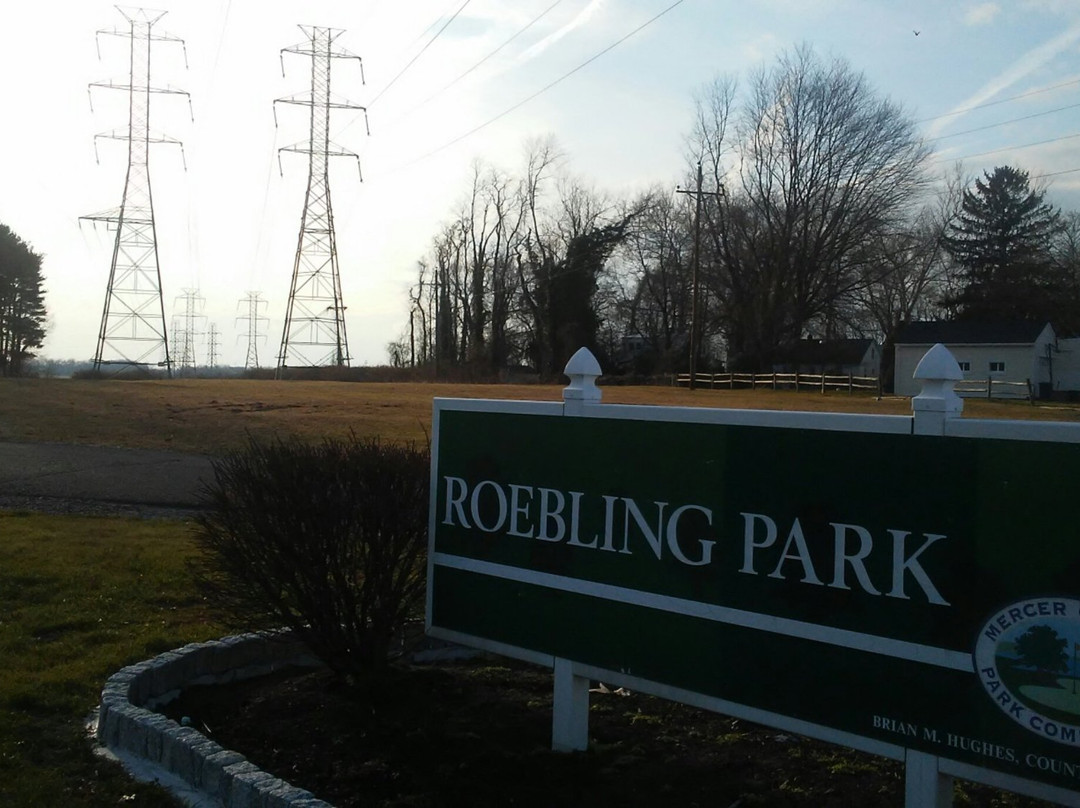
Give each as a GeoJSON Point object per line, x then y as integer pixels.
{"type": "Point", "coordinates": [22, 306]}
{"type": "Point", "coordinates": [1001, 241]}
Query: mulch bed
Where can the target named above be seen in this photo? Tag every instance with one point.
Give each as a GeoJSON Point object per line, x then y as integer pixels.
{"type": "Point", "coordinates": [478, 733]}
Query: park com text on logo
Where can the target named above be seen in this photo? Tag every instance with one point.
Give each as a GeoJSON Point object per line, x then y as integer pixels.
{"type": "Point", "coordinates": [1026, 657]}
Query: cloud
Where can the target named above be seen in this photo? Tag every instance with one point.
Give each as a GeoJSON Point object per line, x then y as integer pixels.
{"type": "Point", "coordinates": [1024, 66]}
{"type": "Point", "coordinates": [982, 14]}
{"type": "Point", "coordinates": [1065, 8]}
{"type": "Point", "coordinates": [761, 49]}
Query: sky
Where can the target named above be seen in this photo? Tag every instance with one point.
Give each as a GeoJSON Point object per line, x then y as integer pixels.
{"type": "Point", "coordinates": [613, 81]}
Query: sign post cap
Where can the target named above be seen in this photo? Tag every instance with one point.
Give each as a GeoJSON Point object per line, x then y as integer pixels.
{"type": "Point", "coordinates": [938, 364]}
{"type": "Point", "coordinates": [583, 370]}
{"type": "Point", "coordinates": [938, 372]}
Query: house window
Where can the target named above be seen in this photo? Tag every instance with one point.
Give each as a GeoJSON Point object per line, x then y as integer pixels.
{"type": "Point", "coordinates": [997, 367]}
{"type": "Point", "coordinates": [965, 366]}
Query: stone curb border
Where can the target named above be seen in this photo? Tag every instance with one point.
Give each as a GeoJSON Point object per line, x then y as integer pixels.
{"type": "Point", "coordinates": [128, 727]}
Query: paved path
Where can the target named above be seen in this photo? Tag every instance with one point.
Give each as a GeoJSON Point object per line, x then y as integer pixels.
{"type": "Point", "coordinates": [51, 474]}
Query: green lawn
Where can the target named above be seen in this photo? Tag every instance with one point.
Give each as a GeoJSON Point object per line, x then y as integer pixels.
{"type": "Point", "coordinates": [81, 597]}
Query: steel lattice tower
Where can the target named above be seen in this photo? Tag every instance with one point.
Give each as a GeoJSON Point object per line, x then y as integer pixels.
{"type": "Point", "coordinates": [132, 331]}
{"type": "Point", "coordinates": [213, 345]}
{"type": "Point", "coordinates": [314, 332]}
{"type": "Point", "coordinates": [254, 301]}
{"type": "Point", "coordinates": [193, 304]}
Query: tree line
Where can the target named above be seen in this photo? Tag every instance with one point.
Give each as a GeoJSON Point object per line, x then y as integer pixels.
{"type": "Point", "coordinates": [817, 216]}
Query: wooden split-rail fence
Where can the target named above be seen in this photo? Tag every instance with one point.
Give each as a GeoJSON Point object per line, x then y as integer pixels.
{"type": "Point", "coordinates": [780, 381]}
{"type": "Point", "coordinates": [990, 388]}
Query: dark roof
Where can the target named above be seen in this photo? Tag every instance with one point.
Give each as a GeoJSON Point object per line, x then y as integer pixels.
{"type": "Point", "coordinates": [973, 332]}
{"type": "Point", "coordinates": [825, 352]}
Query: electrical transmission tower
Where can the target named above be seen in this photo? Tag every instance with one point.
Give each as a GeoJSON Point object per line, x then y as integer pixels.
{"type": "Point", "coordinates": [314, 332]}
{"type": "Point", "coordinates": [132, 331]}
{"type": "Point", "coordinates": [213, 345]}
{"type": "Point", "coordinates": [253, 301]}
{"type": "Point", "coordinates": [193, 305]}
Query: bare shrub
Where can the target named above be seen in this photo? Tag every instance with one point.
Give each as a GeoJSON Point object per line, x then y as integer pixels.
{"type": "Point", "coordinates": [327, 540]}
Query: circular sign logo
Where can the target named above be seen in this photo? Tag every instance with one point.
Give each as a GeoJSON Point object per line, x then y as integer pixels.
{"type": "Point", "coordinates": [1027, 659]}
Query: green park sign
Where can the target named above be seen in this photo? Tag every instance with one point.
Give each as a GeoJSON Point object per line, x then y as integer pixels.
{"type": "Point", "coordinates": [836, 576]}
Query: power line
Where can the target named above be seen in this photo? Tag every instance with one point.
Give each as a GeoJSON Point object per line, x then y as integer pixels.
{"type": "Point", "coordinates": [439, 92]}
{"type": "Point", "coordinates": [1056, 173]}
{"type": "Point", "coordinates": [1008, 148]}
{"type": "Point", "coordinates": [544, 89]}
{"type": "Point", "coordinates": [999, 101]}
{"type": "Point", "coordinates": [257, 263]}
{"type": "Point", "coordinates": [1004, 123]}
{"type": "Point", "coordinates": [221, 40]}
{"type": "Point", "coordinates": [418, 55]}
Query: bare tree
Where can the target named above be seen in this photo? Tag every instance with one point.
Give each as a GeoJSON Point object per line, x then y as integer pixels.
{"type": "Point", "coordinates": [1066, 252]}
{"type": "Point", "coordinates": [654, 278]}
{"type": "Point", "coordinates": [476, 234]}
{"type": "Point", "coordinates": [522, 271]}
{"type": "Point", "coordinates": [816, 166]}
{"type": "Point", "coordinates": [422, 307]}
{"type": "Point", "coordinates": [507, 206]}
{"type": "Point", "coordinates": [906, 272]}
{"type": "Point", "coordinates": [446, 251]}
{"type": "Point", "coordinates": [538, 255]}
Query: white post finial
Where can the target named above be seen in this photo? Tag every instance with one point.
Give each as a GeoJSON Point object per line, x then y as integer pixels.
{"type": "Point", "coordinates": [583, 370]}
{"type": "Point", "coordinates": [938, 372]}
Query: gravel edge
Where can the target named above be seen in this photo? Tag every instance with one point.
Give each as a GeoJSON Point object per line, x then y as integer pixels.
{"type": "Point", "coordinates": [196, 768]}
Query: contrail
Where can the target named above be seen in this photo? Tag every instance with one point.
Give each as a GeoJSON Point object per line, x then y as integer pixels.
{"type": "Point", "coordinates": [583, 17]}
{"type": "Point", "coordinates": [1022, 67]}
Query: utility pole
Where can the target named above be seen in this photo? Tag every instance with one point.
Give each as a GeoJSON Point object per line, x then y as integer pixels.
{"type": "Point", "coordinates": [132, 331]}
{"type": "Point", "coordinates": [695, 325]}
{"type": "Point", "coordinates": [436, 338]}
{"type": "Point", "coordinates": [253, 301]}
{"type": "Point", "coordinates": [315, 314]}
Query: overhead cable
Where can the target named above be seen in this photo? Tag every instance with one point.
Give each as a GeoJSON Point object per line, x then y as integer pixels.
{"type": "Point", "coordinates": [1008, 148]}
{"type": "Point", "coordinates": [1000, 101]}
{"type": "Point", "coordinates": [1055, 173]}
{"type": "Point", "coordinates": [412, 61]}
{"type": "Point", "coordinates": [544, 89]}
{"type": "Point", "coordinates": [439, 92]}
{"type": "Point", "coordinates": [1004, 123]}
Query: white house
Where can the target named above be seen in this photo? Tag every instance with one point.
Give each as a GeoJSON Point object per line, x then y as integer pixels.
{"type": "Point", "coordinates": [1066, 368]}
{"type": "Point", "coordinates": [1011, 355]}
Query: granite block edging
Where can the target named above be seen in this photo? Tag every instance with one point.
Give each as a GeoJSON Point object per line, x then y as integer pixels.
{"type": "Point", "coordinates": [128, 727]}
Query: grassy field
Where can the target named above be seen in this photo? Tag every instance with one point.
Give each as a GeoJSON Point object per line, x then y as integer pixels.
{"type": "Point", "coordinates": [79, 599]}
{"type": "Point", "coordinates": [209, 415]}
